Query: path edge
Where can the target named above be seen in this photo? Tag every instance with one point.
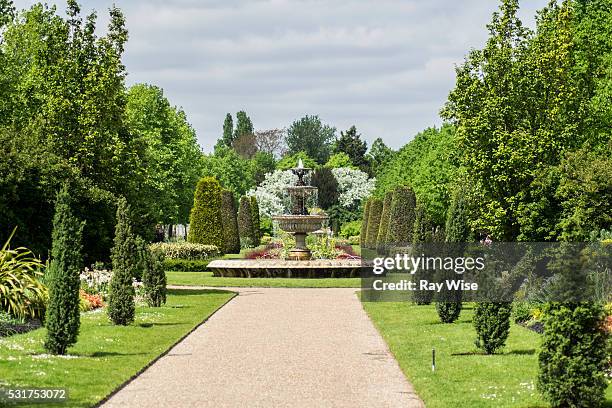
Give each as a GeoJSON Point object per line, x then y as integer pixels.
{"type": "Point", "coordinates": [156, 359]}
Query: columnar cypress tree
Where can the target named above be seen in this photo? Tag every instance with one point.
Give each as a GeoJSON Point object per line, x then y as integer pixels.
{"type": "Point", "coordinates": [245, 222]}
{"type": "Point", "coordinates": [492, 323]}
{"type": "Point", "coordinates": [364, 224]}
{"type": "Point", "coordinates": [374, 222]}
{"type": "Point", "coordinates": [205, 225]}
{"type": "Point", "coordinates": [121, 308]}
{"type": "Point", "coordinates": [401, 219]}
{"type": "Point", "coordinates": [422, 239]}
{"type": "Point", "coordinates": [231, 239]}
{"type": "Point", "coordinates": [154, 278]}
{"type": "Point", "coordinates": [458, 232]}
{"type": "Point", "coordinates": [381, 240]}
{"type": "Point", "coordinates": [228, 130]}
{"type": "Point", "coordinates": [63, 314]}
{"type": "Point", "coordinates": [324, 180]}
{"type": "Point", "coordinates": [256, 222]}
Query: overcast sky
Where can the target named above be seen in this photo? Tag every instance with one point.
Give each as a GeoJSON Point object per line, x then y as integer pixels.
{"type": "Point", "coordinates": [385, 66]}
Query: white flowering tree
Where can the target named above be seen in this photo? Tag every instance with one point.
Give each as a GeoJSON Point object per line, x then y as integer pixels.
{"type": "Point", "coordinates": [353, 185]}
{"type": "Point", "coordinates": [272, 192]}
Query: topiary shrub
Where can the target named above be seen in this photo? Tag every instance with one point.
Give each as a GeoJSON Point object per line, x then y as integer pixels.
{"type": "Point", "coordinates": [374, 222]}
{"type": "Point", "coordinates": [154, 279]}
{"type": "Point", "coordinates": [381, 239]}
{"type": "Point", "coordinates": [185, 265]}
{"type": "Point", "coordinates": [573, 358]}
{"type": "Point", "coordinates": [255, 221]}
{"type": "Point", "coordinates": [350, 229]}
{"type": "Point", "coordinates": [364, 224]}
{"type": "Point", "coordinates": [245, 223]}
{"type": "Point", "coordinates": [205, 225]}
{"type": "Point", "coordinates": [422, 239]}
{"type": "Point", "coordinates": [185, 250]}
{"type": "Point", "coordinates": [492, 324]}
{"type": "Point", "coordinates": [324, 180]}
{"type": "Point", "coordinates": [124, 254]}
{"type": "Point", "coordinates": [231, 239]}
{"type": "Point", "coordinates": [63, 317]}
{"type": "Point", "coordinates": [401, 219]}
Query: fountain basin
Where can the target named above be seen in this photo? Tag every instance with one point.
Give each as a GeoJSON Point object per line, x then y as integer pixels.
{"type": "Point", "coordinates": [278, 268]}
{"type": "Point", "coordinates": [300, 223]}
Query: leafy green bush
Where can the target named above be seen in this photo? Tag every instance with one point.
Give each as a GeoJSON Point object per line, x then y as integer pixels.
{"type": "Point", "coordinates": [573, 359]}
{"type": "Point", "coordinates": [255, 221]}
{"type": "Point", "coordinates": [385, 217]}
{"type": "Point", "coordinates": [291, 161]}
{"type": "Point", "coordinates": [184, 265]}
{"type": "Point", "coordinates": [22, 293]}
{"type": "Point", "coordinates": [401, 218]}
{"type": "Point", "coordinates": [324, 180]}
{"type": "Point", "coordinates": [121, 308]}
{"type": "Point", "coordinates": [350, 229]}
{"type": "Point", "coordinates": [364, 223]}
{"type": "Point", "coordinates": [374, 222]}
{"type": "Point", "coordinates": [154, 279]}
{"type": "Point", "coordinates": [205, 225]}
{"type": "Point", "coordinates": [185, 250]}
{"type": "Point", "coordinates": [63, 317]}
{"type": "Point", "coordinates": [245, 223]}
{"type": "Point", "coordinates": [231, 239]}
{"type": "Point", "coordinates": [492, 324]}
{"type": "Point", "coordinates": [521, 312]}
{"type": "Point", "coordinates": [266, 226]}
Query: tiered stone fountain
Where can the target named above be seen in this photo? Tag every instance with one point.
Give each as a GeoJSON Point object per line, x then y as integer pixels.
{"type": "Point", "coordinates": [299, 263]}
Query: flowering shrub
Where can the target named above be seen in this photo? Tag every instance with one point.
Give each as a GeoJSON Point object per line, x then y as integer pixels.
{"type": "Point", "coordinates": [185, 250]}
{"type": "Point", "coordinates": [271, 194]}
{"type": "Point", "coordinates": [140, 294]}
{"type": "Point", "coordinates": [353, 185]}
{"type": "Point", "coordinates": [90, 302]}
{"type": "Point", "coordinates": [95, 281]}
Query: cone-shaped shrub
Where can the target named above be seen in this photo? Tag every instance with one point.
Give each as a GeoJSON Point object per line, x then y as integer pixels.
{"type": "Point", "coordinates": [63, 314]}
{"type": "Point", "coordinates": [124, 255]}
{"type": "Point", "coordinates": [401, 219]}
{"type": "Point", "coordinates": [324, 180]}
{"type": "Point", "coordinates": [381, 240]}
{"type": "Point", "coordinates": [573, 358]}
{"type": "Point", "coordinates": [205, 225]}
{"type": "Point", "coordinates": [255, 221]}
{"type": "Point", "coordinates": [422, 239]}
{"type": "Point", "coordinates": [492, 323]}
{"type": "Point", "coordinates": [374, 222]}
{"type": "Point", "coordinates": [449, 303]}
{"type": "Point", "coordinates": [245, 223]}
{"type": "Point", "coordinates": [231, 239]}
{"type": "Point", "coordinates": [364, 224]}
{"type": "Point", "coordinates": [154, 278]}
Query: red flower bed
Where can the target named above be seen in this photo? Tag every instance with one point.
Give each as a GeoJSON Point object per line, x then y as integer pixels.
{"type": "Point", "coordinates": [607, 324]}
{"type": "Point", "coordinates": [95, 301]}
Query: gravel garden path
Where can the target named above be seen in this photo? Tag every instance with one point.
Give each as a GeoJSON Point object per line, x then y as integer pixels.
{"type": "Point", "coordinates": [276, 347]}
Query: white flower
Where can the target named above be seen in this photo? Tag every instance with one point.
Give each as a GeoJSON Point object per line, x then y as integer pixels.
{"type": "Point", "coordinates": [271, 194]}
{"type": "Point", "coordinates": [353, 185]}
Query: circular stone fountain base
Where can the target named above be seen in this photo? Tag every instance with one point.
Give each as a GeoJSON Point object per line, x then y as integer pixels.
{"type": "Point", "coordinates": [277, 268]}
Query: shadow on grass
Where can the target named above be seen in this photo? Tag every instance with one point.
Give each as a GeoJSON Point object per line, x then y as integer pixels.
{"type": "Point", "coordinates": [97, 354]}
{"type": "Point", "coordinates": [151, 324]}
{"type": "Point", "coordinates": [510, 353]}
{"type": "Point", "coordinates": [522, 352]}
{"type": "Point", "coordinates": [195, 292]}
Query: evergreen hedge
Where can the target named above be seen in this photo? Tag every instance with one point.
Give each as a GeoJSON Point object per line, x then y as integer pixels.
{"type": "Point", "coordinates": [256, 222]}
{"type": "Point", "coordinates": [231, 239]}
{"type": "Point", "coordinates": [492, 324]}
{"type": "Point", "coordinates": [381, 239]}
{"type": "Point", "coordinates": [205, 225]}
{"type": "Point", "coordinates": [374, 222]}
{"type": "Point", "coordinates": [573, 358]}
{"type": "Point", "coordinates": [245, 223]}
{"type": "Point", "coordinates": [364, 223]}
{"type": "Point", "coordinates": [124, 255]}
{"type": "Point", "coordinates": [154, 279]}
{"type": "Point", "coordinates": [401, 219]}
{"type": "Point", "coordinates": [63, 313]}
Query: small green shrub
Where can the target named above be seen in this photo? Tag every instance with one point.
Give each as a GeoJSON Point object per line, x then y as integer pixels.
{"type": "Point", "coordinates": [63, 318]}
{"type": "Point", "coordinates": [245, 223]}
{"type": "Point", "coordinates": [121, 308]}
{"type": "Point", "coordinates": [385, 217]}
{"type": "Point", "coordinates": [492, 324]}
{"type": "Point", "coordinates": [350, 229]}
{"type": "Point", "coordinates": [185, 265]}
{"type": "Point", "coordinates": [448, 312]}
{"type": "Point", "coordinates": [185, 250]}
{"type": "Point", "coordinates": [573, 358]}
{"type": "Point", "coordinates": [231, 239]}
{"type": "Point", "coordinates": [364, 223]}
{"type": "Point", "coordinates": [374, 222]}
{"type": "Point", "coordinates": [354, 240]}
{"type": "Point", "coordinates": [401, 218]}
{"type": "Point", "coordinates": [205, 224]}
{"type": "Point", "coordinates": [266, 227]}
{"type": "Point", "coordinates": [521, 312]}
{"type": "Point", "coordinates": [154, 279]}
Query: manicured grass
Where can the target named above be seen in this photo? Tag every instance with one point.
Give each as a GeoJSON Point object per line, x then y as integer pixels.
{"type": "Point", "coordinates": [105, 356]}
{"type": "Point", "coordinates": [207, 279]}
{"type": "Point", "coordinates": [462, 378]}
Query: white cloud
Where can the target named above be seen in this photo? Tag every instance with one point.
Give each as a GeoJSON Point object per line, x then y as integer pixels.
{"type": "Point", "coordinates": [385, 66]}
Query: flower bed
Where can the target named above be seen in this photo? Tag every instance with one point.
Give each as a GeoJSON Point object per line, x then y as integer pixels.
{"type": "Point", "coordinates": [185, 250]}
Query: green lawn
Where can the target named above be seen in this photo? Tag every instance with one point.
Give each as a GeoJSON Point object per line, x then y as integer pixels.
{"type": "Point", "coordinates": [105, 356]}
{"type": "Point", "coordinates": [207, 279]}
{"type": "Point", "coordinates": [462, 378]}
